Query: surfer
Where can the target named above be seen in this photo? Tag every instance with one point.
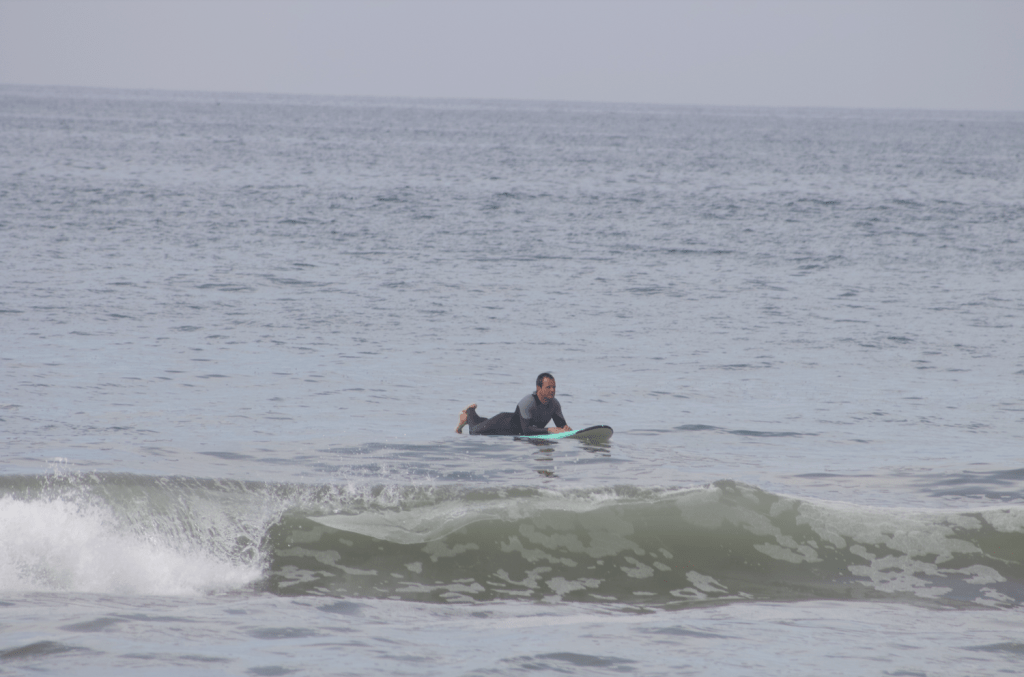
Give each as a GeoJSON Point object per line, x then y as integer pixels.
{"type": "Point", "coordinates": [531, 415]}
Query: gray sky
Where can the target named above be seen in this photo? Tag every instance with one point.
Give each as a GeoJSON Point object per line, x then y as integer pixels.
{"type": "Point", "coordinates": [936, 54]}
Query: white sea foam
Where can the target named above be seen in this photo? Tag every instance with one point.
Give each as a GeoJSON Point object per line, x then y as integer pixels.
{"type": "Point", "coordinates": [59, 545]}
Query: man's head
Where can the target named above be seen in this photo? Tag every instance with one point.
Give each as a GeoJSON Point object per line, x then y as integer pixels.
{"type": "Point", "coordinates": [545, 387]}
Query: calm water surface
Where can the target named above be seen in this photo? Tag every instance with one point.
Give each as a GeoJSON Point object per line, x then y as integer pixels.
{"type": "Point", "coordinates": [236, 332]}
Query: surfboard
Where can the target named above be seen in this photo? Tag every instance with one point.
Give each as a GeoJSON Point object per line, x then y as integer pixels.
{"type": "Point", "coordinates": [595, 433]}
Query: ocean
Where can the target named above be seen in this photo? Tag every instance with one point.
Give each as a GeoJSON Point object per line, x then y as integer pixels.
{"type": "Point", "coordinates": [236, 332]}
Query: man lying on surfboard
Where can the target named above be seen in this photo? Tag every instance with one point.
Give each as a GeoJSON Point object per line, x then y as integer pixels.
{"type": "Point", "coordinates": [531, 415]}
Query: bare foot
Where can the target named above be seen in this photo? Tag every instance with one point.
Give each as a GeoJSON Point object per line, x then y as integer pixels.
{"type": "Point", "coordinates": [463, 418]}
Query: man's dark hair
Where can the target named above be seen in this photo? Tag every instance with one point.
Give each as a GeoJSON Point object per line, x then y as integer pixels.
{"type": "Point", "coordinates": [540, 379]}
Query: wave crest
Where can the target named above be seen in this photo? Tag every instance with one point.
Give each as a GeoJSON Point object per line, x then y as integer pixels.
{"type": "Point", "coordinates": [126, 534]}
{"type": "Point", "coordinates": [721, 542]}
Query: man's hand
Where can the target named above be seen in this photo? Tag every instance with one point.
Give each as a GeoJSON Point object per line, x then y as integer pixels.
{"type": "Point", "coordinates": [559, 430]}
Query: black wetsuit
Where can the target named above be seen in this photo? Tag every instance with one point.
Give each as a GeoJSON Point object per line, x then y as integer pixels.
{"type": "Point", "coordinates": [530, 418]}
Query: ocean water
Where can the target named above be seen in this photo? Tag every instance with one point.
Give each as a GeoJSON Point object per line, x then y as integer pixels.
{"type": "Point", "coordinates": [236, 332]}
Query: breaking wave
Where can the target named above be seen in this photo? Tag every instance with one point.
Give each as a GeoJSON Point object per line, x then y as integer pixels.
{"type": "Point", "coordinates": [133, 535]}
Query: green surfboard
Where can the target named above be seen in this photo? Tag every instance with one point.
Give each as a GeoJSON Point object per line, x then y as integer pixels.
{"type": "Point", "coordinates": [596, 433]}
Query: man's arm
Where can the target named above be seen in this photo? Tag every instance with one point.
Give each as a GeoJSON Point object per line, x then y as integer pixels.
{"type": "Point", "coordinates": [528, 428]}
{"type": "Point", "coordinates": [559, 421]}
